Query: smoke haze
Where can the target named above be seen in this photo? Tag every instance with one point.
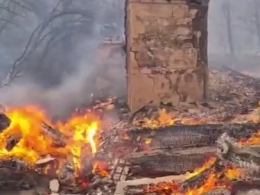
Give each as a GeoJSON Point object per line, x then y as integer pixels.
{"type": "Point", "coordinates": [59, 76]}
{"type": "Point", "coordinates": [74, 86]}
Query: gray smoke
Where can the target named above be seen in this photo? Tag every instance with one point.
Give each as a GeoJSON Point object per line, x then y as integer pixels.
{"type": "Point", "coordinates": [75, 87]}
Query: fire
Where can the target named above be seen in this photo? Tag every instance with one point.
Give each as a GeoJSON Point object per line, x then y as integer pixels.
{"type": "Point", "coordinates": [213, 181]}
{"type": "Point", "coordinates": [168, 119]}
{"type": "Point", "coordinates": [210, 184]}
{"type": "Point", "coordinates": [254, 140]}
{"type": "Point", "coordinates": [80, 133]}
{"type": "Point", "coordinates": [164, 119]}
{"type": "Point", "coordinates": [234, 174]}
{"type": "Point", "coordinates": [206, 166]}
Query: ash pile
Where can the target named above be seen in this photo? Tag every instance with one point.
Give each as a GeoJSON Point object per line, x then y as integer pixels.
{"type": "Point", "coordinates": [208, 148]}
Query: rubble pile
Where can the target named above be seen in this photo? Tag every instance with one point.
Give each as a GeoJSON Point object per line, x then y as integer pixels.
{"type": "Point", "coordinates": [208, 148]}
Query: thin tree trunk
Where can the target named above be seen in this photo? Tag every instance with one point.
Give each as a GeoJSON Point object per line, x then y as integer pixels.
{"type": "Point", "coordinates": [229, 28]}
{"type": "Point", "coordinates": [257, 21]}
{"type": "Point", "coordinates": [66, 43]}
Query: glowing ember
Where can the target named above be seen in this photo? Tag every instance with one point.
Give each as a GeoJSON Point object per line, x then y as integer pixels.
{"type": "Point", "coordinates": [233, 174]}
{"type": "Point", "coordinates": [212, 182]}
{"type": "Point", "coordinates": [206, 166]}
{"type": "Point", "coordinates": [80, 132]}
{"type": "Point", "coordinates": [254, 140]}
{"type": "Point", "coordinates": [164, 119]}
{"type": "Point", "coordinates": [168, 119]}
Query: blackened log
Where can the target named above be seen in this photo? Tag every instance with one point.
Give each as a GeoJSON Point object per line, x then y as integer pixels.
{"type": "Point", "coordinates": [14, 164]}
{"type": "Point", "coordinates": [220, 191]}
{"type": "Point", "coordinates": [245, 156]}
{"type": "Point", "coordinates": [12, 141]}
{"type": "Point", "coordinates": [244, 188]}
{"type": "Point", "coordinates": [213, 167]}
{"type": "Point", "coordinates": [185, 136]}
{"type": "Point", "coordinates": [165, 188]}
{"type": "Point", "coordinates": [134, 190]}
{"type": "Point", "coordinates": [139, 190]}
{"type": "Point", "coordinates": [173, 162]}
{"type": "Point", "coordinates": [11, 179]}
{"type": "Point", "coordinates": [5, 122]}
{"type": "Point", "coordinates": [58, 139]}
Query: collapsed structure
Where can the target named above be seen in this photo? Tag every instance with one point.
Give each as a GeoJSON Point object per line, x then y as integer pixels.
{"type": "Point", "coordinates": [203, 150]}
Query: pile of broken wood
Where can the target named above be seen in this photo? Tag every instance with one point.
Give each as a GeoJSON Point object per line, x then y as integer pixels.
{"type": "Point", "coordinates": [153, 158]}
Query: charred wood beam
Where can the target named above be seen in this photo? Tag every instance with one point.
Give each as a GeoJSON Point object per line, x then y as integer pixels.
{"type": "Point", "coordinates": [186, 136]}
{"type": "Point", "coordinates": [57, 137]}
{"type": "Point", "coordinates": [200, 178]}
{"type": "Point", "coordinates": [169, 188]}
{"type": "Point", "coordinates": [240, 155]}
{"type": "Point", "coordinates": [229, 153]}
{"type": "Point", "coordinates": [12, 141]}
{"type": "Point", "coordinates": [18, 174]}
{"type": "Point", "coordinates": [5, 122]}
{"type": "Point", "coordinates": [239, 188]}
{"type": "Point", "coordinates": [172, 162]}
{"type": "Point", "coordinates": [136, 190]}
{"type": "Point", "coordinates": [14, 164]}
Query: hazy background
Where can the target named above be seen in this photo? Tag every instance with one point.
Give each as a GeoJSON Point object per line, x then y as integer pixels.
{"type": "Point", "coordinates": [234, 34]}
{"type": "Point", "coordinates": [52, 45]}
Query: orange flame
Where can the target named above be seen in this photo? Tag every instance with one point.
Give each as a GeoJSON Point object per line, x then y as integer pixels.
{"type": "Point", "coordinates": [168, 119]}
{"type": "Point", "coordinates": [212, 182]}
{"type": "Point", "coordinates": [80, 132]}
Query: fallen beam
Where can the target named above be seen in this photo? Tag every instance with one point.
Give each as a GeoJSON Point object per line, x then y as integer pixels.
{"type": "Point", "coordinates": [169, 185]}
{"type": "Point", "coordinates": [160, 163]}
{"type": "Point", "coordinates": [186, 136]}
{"type": "Point", "coordinates": [122, 185]}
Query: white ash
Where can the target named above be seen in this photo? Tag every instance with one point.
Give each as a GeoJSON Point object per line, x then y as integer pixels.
{"type": "Point", "coordinates": [54, 185]}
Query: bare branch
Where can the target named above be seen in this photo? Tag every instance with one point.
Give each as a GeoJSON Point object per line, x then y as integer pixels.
{"type": "Point", "coordinates": [10, 11]}
{"type": "Point", "coordinates": [36, 38]}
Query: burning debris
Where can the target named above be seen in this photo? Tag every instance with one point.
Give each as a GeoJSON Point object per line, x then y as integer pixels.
{"type": "Point", "coordinates": [32, 144]}
{"type": "Point", "coordinates": [235, 163]}
{"type": "Point", "coordinates": [78, 157]}
{"type": "Point", "coordinates": [211, 149]}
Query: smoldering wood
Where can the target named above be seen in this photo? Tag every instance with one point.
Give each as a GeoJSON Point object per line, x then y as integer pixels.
{"type": "Point", "coordinates": [14, 164]}
{"type": "Point", "coordinates": [151, 189]}
{"type": "Point", "coordinates": [245, 187]}
{"type": "Point", "coordinates": [197, 180]}
{"type": "Point", "coordinates": [241, 156]}
{"type": "Point", "coordinates": [186, 136]}
{"type": "Point", "coordinates": [218, 192]}
{"type": "Point", "coordinates": [201, 178]}
{"type": "Point", "coordinates": [5, 122]}
{"type": "Point", "coordinates": [131, 191]}
{"type": "Point", "coordinates": [12, 141]}
{"type": "Point", "coordinates": [177, 161]}
{"type": "Point", "coordinates": [17, 174]}
{"type": "Point", "coordinates": [238, 189]}
{"type": "Point", "coordinates": [57, 137]}
{"type": "Point", "coordinates": [66, 173]}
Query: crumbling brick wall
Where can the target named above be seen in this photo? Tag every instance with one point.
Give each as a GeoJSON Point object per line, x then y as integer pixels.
{"type": "Point", "coordinates": [166, 44]}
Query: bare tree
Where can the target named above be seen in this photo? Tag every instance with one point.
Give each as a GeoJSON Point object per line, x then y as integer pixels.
{"type": "Point", "coordinates": [250, 20]}
{"type": "Point", "coordinates": [228, 22]}
{"type": "Point", "coordinates": [44, 36]}
{"type": "Point", "coordinates": [55, 27]}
